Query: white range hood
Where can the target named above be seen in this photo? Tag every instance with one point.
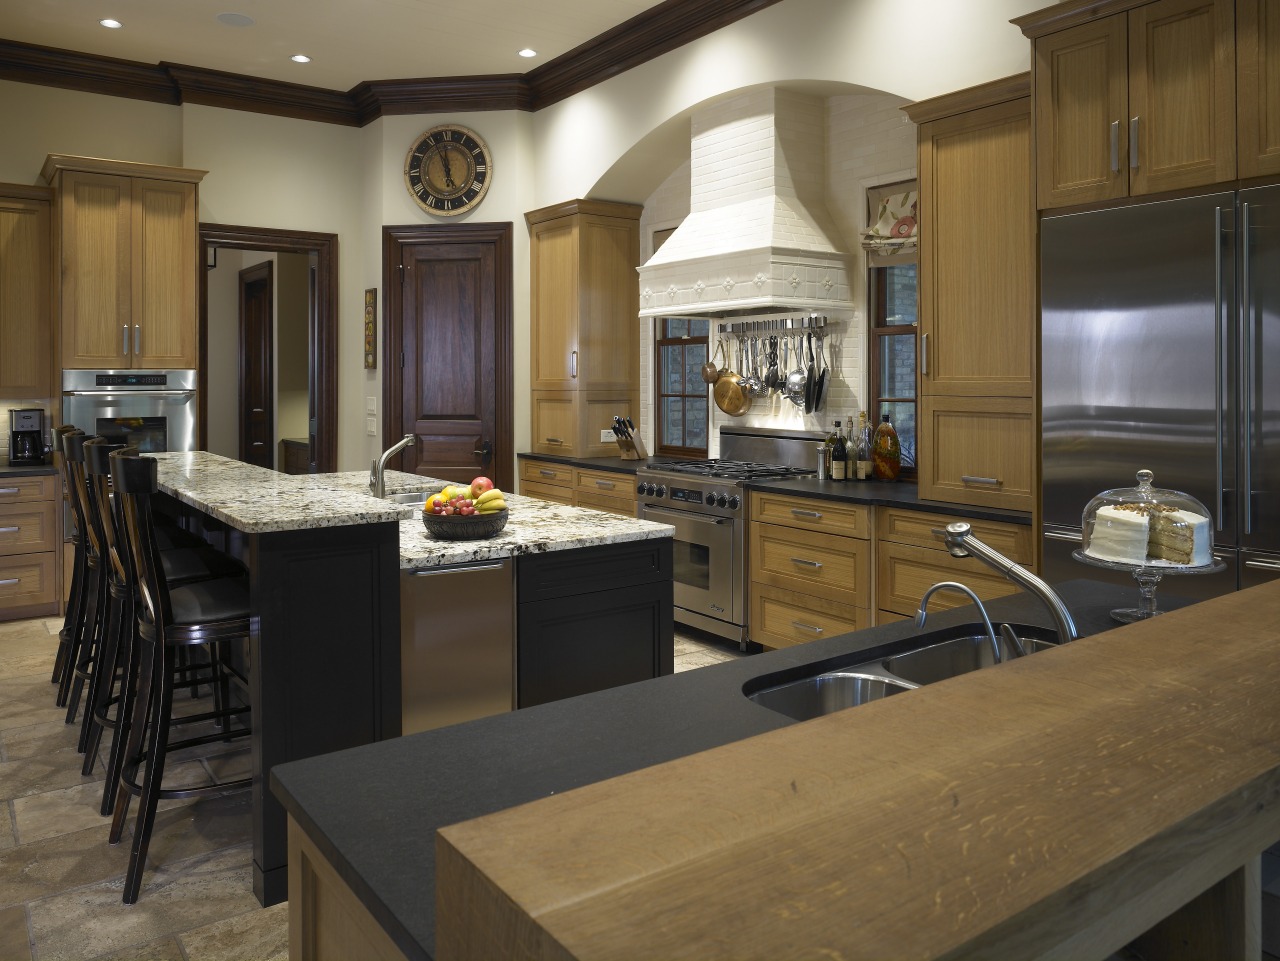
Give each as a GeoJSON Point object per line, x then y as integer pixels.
{"type": "Point", "coordinates": [758, 237]}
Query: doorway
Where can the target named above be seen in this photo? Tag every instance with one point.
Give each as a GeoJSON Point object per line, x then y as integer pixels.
{"type": "Point", "coordinates": [314, 392]}
{"type": "Point", "coordinates": [448, 375]}
{"type": "Point", "coordinates": [257, 364]}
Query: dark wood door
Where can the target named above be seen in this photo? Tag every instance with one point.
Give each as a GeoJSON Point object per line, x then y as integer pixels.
{"type": "Point", "coordinates": [257, 377]}
{"type": "Point", "coordinates": [447, 351]}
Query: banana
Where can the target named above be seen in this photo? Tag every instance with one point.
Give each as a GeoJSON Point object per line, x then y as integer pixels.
{"type": "Point", "coordinates": [491, 506]}
{"type": "Point", "coordinates": [488, 496]}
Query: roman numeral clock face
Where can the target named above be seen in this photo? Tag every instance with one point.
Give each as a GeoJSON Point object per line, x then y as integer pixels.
{"type": "Point", "coordinates": [448, 170]}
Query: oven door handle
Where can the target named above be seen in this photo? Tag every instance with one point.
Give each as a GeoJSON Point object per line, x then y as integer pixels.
{"type": "Point", "coordinates": [128, 393]}
{"type": "Point", "coordinates": [687, 515]}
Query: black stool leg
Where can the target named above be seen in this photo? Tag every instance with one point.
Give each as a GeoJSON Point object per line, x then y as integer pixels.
{"type": "Point", "coordinates": [69, 646]}
{"type": "Point", "coordinates": [74, 606]}
{"type": "Point", "coordinates": [81, 665]}
{"type": "Point", "coordinates": [133, 756]}
{"type": "Point", "coordinates": [162, 691]}
{"type": "Point", "coordinates": [101, 683]}
{"type": "Point", "coordinates": [129, 655]}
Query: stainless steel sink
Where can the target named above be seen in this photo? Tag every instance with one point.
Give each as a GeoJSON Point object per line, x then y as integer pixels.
{"type": "Point", "coordinates": [922, 660]}
{"type": "Point", "coordinates": [960, 655]}
{"type": "Point", "coordinates": [813, 697]}
{"type": "Point", "coordinates": [416, 498]}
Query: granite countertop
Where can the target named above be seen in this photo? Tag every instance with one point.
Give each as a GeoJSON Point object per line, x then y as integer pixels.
{"type": "Point", "coordinates": [422, 782]}
{"type": "Point", "coordinates": [616, 464]}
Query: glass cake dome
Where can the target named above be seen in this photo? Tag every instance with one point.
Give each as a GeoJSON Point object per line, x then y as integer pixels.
{"type": "Point", "coordinates": [1147, 526]}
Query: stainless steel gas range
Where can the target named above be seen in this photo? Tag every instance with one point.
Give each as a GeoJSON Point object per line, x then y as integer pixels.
{"type": "Point", "coordinates": [706, 502]}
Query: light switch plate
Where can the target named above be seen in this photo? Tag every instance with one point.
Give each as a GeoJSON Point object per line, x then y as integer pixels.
{"type": "Point", "coordinates": [371, 405]}
{"type": "Point", "coordinates": [606, 436]}
{"type": "Point", "coordinates": [371, 426]}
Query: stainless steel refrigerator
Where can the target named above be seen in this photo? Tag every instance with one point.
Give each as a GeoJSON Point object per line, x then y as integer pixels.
{"type": "Point", "coordinates": [1160, 349]}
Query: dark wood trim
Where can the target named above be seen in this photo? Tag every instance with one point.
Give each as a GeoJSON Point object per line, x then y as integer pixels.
{"type": "Point", "coordinates": [325, 247]}
{"type": "Point", "coordinates": [501, 236]}
{"type": "Point", "coordinates": [970, 98]}
{"type": "Point", "coordinates": [1069, 13]}
{"type": "Point", "coordinates": [650, 34]}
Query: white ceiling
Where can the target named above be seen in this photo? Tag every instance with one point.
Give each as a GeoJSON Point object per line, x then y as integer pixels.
{"type": "Point", "coordinates": [348, 40]}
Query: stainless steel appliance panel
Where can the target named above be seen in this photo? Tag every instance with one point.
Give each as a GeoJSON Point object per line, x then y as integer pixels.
{"type": "Point", "coordinates": [155, 410]}
{"type": "Point", "coordinates": [1138, 349]}
{"type": "Point", "coordinates": [457, 644]}
{"type": "Point", "coordinates": [1259, 233]}
{"type": "Point", "coordinates": [1258, 568]}
{"type": "Point", "coordinates": [707, 562]}
{"type": "Point", "coordinates": [1058, 565]}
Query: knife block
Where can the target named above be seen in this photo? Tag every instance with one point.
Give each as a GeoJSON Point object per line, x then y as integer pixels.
{"type": "Point", "coordinates": [632, 448]}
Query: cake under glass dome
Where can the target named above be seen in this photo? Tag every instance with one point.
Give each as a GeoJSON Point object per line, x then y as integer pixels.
{"type": "Point", "coordinates": [1150, 531]}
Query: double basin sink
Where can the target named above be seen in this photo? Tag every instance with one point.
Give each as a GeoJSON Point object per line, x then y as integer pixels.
{"type": "Point", "coordinates": [910, 664]}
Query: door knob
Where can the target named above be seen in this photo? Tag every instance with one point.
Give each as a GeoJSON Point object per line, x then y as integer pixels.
{"type": "Point", "coordinates": [485, 452]}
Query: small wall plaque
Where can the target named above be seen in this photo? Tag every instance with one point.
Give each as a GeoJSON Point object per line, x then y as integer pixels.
{"type": "Point", "coordinates": [371, 328]}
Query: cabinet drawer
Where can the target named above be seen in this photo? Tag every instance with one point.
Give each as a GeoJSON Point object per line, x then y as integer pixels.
{"type": "Point", "coordinates": [979, 450]}
{"type": "Point", "coordinates": [26, 580]}
{"type": "Point", "coordinates": [917, 527]}
{"type": "Point", "coordinates": [43, 487]}
{"type": "Point", "coordinates": [781, 618]}
{"type": "Point", "coordinates": [605, 502]}
{"type": "Point", "coordinates": [835, 567]}
{"type": "Point", "coordinates": [555, 423]}
{"type": "Point", "coordinates": [562, 574]}
{"type": "Point", "coordinates": [832, 517]}
{"type": "Point", "coordinates": [605, 482]}
{"type": "Point", "coordinates": [904, 573]}
{"type": "Point", "coordinates": [558, 495]}
{"type": "Point", "coordinates": [543, 472]}
{"type": "Point", "coordinates": [26, 528]}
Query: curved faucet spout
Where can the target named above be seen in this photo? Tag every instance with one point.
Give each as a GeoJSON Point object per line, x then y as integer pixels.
{"type": "Point", "coordinates": [921, 614]}
{"type": "Point", "coordinates": [378, 471]}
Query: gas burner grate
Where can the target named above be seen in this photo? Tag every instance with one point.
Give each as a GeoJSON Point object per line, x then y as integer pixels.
{"type": "Point", "coordinates": [729, 469]}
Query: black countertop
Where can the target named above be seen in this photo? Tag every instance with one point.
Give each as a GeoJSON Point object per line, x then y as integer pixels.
{"type": "Point", "coordinates": [373, 811]}
{"type": "Point", "coordinates": [616, 464]}
{"type": "Point", "coordinates": [26, 470]}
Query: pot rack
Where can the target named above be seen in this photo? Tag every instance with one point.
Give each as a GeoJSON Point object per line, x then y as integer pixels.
{"type": "Point", "coordinates": [805, 322]}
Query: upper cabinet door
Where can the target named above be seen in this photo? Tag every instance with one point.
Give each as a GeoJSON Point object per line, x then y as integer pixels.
{"type": "Point", "coordinates": [608, 303]}
{"type": "Point", "coordinates": [97, 321]}
{"type": "Point", "coordinates": [26, 362]}
{"type": "Point", "coordinates": [1258, 90]}
{"type": "Point", "coordinates": [1081, 82]}
{"type": "Point", "coordinates": [164, 274]}
{"type": "Point", "coordinates": [1181, 95]}
{"type": "Point", "coordinates": [555, 350]}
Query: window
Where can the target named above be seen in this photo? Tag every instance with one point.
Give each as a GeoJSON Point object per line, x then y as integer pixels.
{"type": "Point", "coordinates": [680, 393]}
{"type": "Point", "coordinates": [893, 353]}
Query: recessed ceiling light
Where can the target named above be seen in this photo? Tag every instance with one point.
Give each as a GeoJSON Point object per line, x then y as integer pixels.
{"type": "Point", "coordinates": [526, 52]}
{"type": "Point", "coordinates": [234, 20]}
{"type": "Point", "coordinates": [111, 24]}
{"type": "Point", "coordinates": [300, 58]}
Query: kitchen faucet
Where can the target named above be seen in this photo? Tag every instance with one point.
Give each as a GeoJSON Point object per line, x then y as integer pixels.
{"type": "Point", "coordinates": [986, 621]}
{"type": "Point", "coordinates": [961, 543]}
{"type": "Point", "coordinates": [378, 469]}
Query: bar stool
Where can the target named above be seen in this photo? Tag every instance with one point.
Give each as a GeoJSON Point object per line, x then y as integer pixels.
{"type": "Point", "coordinates": [116, 660]}
{"type": "Point", "coordinates": [74, 599]}
{"type": "Point", "coordinates": [213, 614]}
{"type": "Point", "coordinates": [92, 581]}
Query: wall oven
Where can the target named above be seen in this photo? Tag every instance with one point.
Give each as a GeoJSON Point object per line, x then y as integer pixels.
{"type": "Point", "coordinates": [153, 410]}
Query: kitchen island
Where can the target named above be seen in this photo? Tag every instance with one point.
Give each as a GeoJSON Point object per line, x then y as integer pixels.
{"type": "Point", "coordinates": [325, 559]}
{"type": "Point", "coordinates": [1125, 804]}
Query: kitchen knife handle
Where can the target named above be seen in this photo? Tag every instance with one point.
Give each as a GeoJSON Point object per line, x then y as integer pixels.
{"type": "Point", "coordinates": [1248, 342]}
{"type": "Point", "coordinates": [1115, 146]}
{"type": "Point", "coordinates": [924, 355]}
{"type": "Point", "coordinates": [573, 364]}
{"type": "Point", "coordinates": [1218, 355]}
{"type": "Point", "coordinates": [1133, 143]}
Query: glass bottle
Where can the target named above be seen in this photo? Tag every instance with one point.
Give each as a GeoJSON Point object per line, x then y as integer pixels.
{"type": "Point", "coordinates": [864, 447]}
{"type": "Point", "coordinates": [839, 456]}
{"type": "Point", "coordinates": [886, 453]}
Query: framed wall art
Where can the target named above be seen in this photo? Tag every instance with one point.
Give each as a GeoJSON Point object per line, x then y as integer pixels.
{"type": "Point", "coordinates": [371, 328]}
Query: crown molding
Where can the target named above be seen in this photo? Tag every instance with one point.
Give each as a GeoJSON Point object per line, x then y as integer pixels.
{"type": "Point", "coordinates": [659, 30]}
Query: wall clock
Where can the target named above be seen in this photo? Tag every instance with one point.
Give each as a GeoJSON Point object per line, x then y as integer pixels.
{"type": "Point", "coordinates": [448, 169]}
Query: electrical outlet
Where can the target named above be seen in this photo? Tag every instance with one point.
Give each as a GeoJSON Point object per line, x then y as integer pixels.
{"type": "Point", "coordinates": [371, 426]}
{"type": "Point", "coordinates": [371, 405]}
{"type": "Point", "coordinates": [606, 436]}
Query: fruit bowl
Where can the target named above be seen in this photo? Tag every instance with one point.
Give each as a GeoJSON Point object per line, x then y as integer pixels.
{"type": "Point", "coordinates": [469, 527]}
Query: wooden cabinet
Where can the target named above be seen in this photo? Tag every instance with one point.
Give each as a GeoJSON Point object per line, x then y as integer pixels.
{"type": "Point", "coordinates": [584, 356]}
{"type": "Point", "coordinates": [612, 491]}
{"type": "Point", "coordinates": [810, 563]}
{"type": "Point", "coordinates": [128, 254]}
{"type": "Point", "coordinates": [593, 618]}
{"type": "Point", "coordinates": [1258, 87]}
{"type": "Point", "coordinates": [977, 287]}
{"type": "Point", "coordinates": [910, 559]}
{"type": "Point", "coordinates": [26, 316]}
{"type": "Point", "coordinates": [28, 546]}
{"type": "Point", "coordinates": [1134, 98]}
{"type": "Point", "coordinates": [295, 456]}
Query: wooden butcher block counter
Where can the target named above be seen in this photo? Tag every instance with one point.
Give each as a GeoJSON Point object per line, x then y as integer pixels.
{"type": "Point", "coordinates": [1059, 806]}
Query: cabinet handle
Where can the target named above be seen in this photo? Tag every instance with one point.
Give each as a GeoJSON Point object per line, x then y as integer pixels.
{"type": "Point", "coordinates": [1133, 143]}
{"type": "Point", "coordinates": [7, 581]}
{"type": "Point", "coordinates": [988, 481]}
{"type": "Point", "coordinates": [807, 563]}
{"type": "Point", "coordinates": [544, 472]}
{"type": "Point", "coordinates": [1263, 565]}
{"type": "Point", "coordinates": [803, 513]}
{"type": "Point", "coordinates": [137, 339]}
{"type": "Point", "coordinates": [1115, 146]}
{"type": "Point", "coordinates": [9, 530]}
{"type": "Point", "coordinates": [8, 490]}
{"type": "Point", "coordinates": [553, 440]}
{"type": "Point", "coordinates": [607, 485]}
{"type": "Point", "coordinates": [807, 627]}
{"type": "Point", "coordinates": [573, 364]}
{"type": "Point", "coordinates": [124, 344]}
{"type": "Point", "coordinates": [924, 355]}
{"type": "Point", "coordinates": [1055, 536]}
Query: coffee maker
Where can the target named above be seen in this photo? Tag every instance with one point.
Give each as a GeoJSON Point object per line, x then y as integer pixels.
{"type": "Point", "coordinates": [26, 436]}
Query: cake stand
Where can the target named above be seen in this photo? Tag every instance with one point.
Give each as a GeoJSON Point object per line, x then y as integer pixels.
{"type": "Point", "coordinates": [1148, 576]}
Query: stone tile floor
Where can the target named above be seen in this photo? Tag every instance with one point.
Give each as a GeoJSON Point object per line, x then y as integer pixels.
{"type": "Point", "coordinates": [61, 882]}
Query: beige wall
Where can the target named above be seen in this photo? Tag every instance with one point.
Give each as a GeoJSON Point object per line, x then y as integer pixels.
{"type": "Point", "coordinates": [618, 140]}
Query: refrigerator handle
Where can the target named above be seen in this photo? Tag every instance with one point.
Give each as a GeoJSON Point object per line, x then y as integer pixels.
{"type": "Point", "coordinates": [1247, 339]}
{"type": "Point", "coordinates": [1218, 354]}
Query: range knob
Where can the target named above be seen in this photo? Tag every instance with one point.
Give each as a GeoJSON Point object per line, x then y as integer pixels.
{"type": "Point", "coordinates": [641, 488]}
{"type": "Point", "coordinates": [735, 502]}
{"type": "Point", "coordinates": [720, 500]}
{"type": "Point", "coordinates": [662, 490]}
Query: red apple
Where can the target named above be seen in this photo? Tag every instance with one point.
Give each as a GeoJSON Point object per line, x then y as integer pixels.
{"type": "Point", "coordinates": [480, 485]}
